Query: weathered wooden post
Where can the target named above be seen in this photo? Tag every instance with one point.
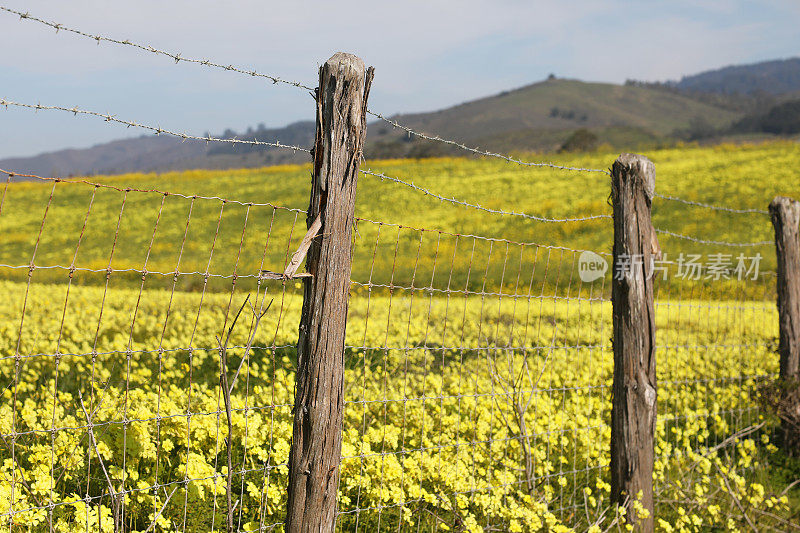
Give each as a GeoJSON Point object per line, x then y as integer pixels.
{"type": "Point", "coordinates": [317, 433]}
{"type": "Point", "coordinates": [633, 411]}
{"type": "Point", "coordinates": [785, 214]}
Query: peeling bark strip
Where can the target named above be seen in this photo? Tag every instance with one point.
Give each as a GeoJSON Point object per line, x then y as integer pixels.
{"type": "Point", "coordinates": [302, 250]}
{"type": "Point", "coordinates": [785, 214]}
{"type": "Point", "coordinates": [633, 411]}
{"type": "Point", "coordinates": [317, 432]}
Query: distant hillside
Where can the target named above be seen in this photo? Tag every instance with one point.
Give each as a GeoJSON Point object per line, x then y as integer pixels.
{"type": "Point", "coordinates": [295, 134]}
{"type": "Point", "coordinates": [146, 153]}
{"type": "Point", "coordinates": [542, 116]}
{"type": "Point", "coordinates": [150, 153]}
{"type": "Point", "coordinates": [545, 116]}
{"type": "Point", "coordinates": [780, 119]}
{"type": "Point", "coordinates": [771, 77]}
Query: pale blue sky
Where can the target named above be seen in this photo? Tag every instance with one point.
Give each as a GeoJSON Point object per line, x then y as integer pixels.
{"type": "Point", "coordinates": [427, 55]}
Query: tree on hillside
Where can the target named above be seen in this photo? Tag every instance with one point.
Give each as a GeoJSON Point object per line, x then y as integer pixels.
{"type": "Point", "coordinates": [581, 140]}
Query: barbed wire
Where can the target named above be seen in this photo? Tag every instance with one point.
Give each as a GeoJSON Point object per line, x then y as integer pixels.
{"type": "Point", "coordinates": [12, 174]}
{"type": "Point", "coordinates": [177, 57]}
{"type": "Point", "coordinates": [720, 243]}
{"type": "Point", "coordinates": [185, 136]}
{"type": "Point", "coordinates": [477, 237]}
{"type": "Point", "coordinates": [155, 129]}
{"type": "Point", "coordinates": [456, 201]}
{"type": "Point", "coordinates": [710, 206]}
{"type": "Point", "coordinates": [478, 151]}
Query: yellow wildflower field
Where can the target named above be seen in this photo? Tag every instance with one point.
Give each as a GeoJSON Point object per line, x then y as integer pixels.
{"type": "Point", "coordinates": [478, 362]}
{"type": "Point", "coordinates": [431, 432]}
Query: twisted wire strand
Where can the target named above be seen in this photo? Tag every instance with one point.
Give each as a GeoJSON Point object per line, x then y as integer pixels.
{"type": "Point", "coordinates": [155, 129]}
{"type": "Point", "coordinates": [177, 57]}
{"type": "Point", "coordinates": [486, 238]}
{"type": "Point", "coordinates": [710, 206]}
{"type": "Point", "coordinates": [720, 243]}
{"type": "Point", "coordinates": [143, 271]}
{"type": "Point", "coordinates": [456, 201]}
{"type": "Point", "coordinates": [478, 151]}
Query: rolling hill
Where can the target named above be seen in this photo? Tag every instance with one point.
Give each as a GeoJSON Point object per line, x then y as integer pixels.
{"type": "Point", "coordinates": [542, 115]}
{"type": "Point", "coordinates": [537, 117]}
{"type": "Point", "coordinates": [772, 77]}
{"type": "Point", "coordinates": [152, 153]}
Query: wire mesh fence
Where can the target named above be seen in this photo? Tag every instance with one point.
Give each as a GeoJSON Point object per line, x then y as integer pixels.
{"type": "Point", "coordinates": [149, 352]}
{"type": "Point", "coordinates": [112, 369]}
{"type": "Point", "coordinates": [477, 369]}
{"type": "Point", "coordinates": [446, 397]}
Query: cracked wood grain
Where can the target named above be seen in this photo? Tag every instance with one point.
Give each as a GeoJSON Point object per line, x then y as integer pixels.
{"type": "Point", "coordinates": [633, 411]}
{"type": "Point", "coordinates": [785, 214]}
{"type": "Point", "coordinates": [317, 429]}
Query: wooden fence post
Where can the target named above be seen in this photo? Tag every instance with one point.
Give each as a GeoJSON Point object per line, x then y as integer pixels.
{"type": "Point", "coordinates": [785, 214]}
{"type": "Point", "coordinates": [633, 411]}
{"type": "Point", "coordinates": [317, 432]}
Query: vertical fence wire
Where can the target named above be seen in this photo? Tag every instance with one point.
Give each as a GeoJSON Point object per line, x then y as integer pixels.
{"type": "Point", "coordinates": [716, 331]}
